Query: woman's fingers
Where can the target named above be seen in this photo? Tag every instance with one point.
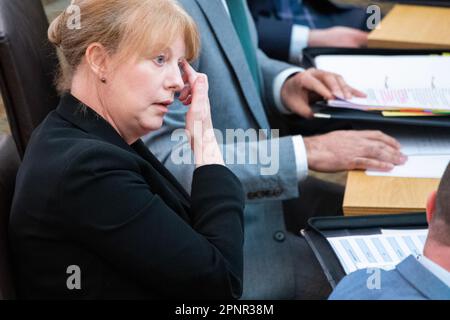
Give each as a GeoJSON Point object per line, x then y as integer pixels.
{"type": "Point", "coordinates": [185, 93]}
{"type": "Point", "coordinates": [200, 90]}
{"type": "Point", "coordinates": [188, 100]}
{"type": "Point", "coordinates": [189, 77]}
{"type": "Point", "coordinates": [189, 73]}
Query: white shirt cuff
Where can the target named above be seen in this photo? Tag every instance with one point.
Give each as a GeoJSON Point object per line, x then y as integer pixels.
{"type": "Point", "coordinates": [278, 83]}
{"type": "Point", "coordinates": [301, 158]}
{"type": "Point", "coordinates": [299, 41]}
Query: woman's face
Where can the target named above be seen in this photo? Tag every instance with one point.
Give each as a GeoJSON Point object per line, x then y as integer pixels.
{"type": "Point", "coordinates": [139, 93]}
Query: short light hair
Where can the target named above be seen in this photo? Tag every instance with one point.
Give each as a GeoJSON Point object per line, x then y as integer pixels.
{"type": "Point", "coordinates": [123, 27]}
{"type": "Point", "coordinates": [440, 223]}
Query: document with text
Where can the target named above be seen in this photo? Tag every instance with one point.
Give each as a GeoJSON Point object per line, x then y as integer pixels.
{"type": "Point", "coordinates": [428, 151]}
{"type": "Point", "coordinates": [392, 82]}
{"type": "Point", "coordinates": [384, 250]}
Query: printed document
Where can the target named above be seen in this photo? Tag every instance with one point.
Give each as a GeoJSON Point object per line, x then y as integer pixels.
{"type": "Point", "coordinates": [392, 82]}
{"type": "Point", "coordinates": [384, 250]}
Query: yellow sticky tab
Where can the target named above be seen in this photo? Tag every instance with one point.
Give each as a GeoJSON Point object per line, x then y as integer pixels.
{"type": "Point", "coordinates": [407, 114]}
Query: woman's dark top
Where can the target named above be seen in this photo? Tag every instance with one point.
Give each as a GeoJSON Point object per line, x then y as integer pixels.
{"type": "Point", "coordinates": [94, 217]}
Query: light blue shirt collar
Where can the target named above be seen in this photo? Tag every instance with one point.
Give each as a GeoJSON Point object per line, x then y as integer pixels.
{"type": "Point", "coordinates": [435, 269]}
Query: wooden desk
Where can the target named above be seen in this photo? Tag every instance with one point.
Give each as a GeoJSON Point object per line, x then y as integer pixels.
{"type": "Point", "coordinates": [413, 27]}
{"type": "Point", "coordinates": [365, 195]}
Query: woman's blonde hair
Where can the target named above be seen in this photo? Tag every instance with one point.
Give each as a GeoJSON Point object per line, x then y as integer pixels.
{"type": "Point", "coordinates": [123, 27]}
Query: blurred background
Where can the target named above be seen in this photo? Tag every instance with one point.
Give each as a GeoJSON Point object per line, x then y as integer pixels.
{"type": "Point", "coordinates": [54, 7]}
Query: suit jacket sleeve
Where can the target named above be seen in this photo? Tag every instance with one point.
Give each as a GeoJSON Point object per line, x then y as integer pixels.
{"type": "Point", "coordinates": [270, 69]}
{"type": "Point", "coordinates": [167, 145]}
{"type": "Point", "coordinates": [113, 211]}
{"type": "Point", "coordinates": [274, 33]}
{"type": "Point", "coordinates": [277, 180]}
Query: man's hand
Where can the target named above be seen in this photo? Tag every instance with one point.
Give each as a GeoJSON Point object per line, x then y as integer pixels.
{"type": "Point", "coordinates": [338, 37]}
{"type": "Point", "coordinates": [304, 87]}
{"type": "Point", "coordinates": [348, 150]}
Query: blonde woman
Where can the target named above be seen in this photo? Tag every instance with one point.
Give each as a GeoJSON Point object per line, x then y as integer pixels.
{"type": "Point", "coordinates": [95, 214]}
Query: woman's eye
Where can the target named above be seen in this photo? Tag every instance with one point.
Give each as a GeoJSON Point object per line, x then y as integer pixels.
{"type": "Point", "coordinates": [160, 60]}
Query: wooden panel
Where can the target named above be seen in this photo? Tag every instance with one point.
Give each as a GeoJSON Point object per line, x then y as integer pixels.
{"type": "Point", "coordinates": [374, 195]}
{"type": "Point", "coordinates": [417, 27]}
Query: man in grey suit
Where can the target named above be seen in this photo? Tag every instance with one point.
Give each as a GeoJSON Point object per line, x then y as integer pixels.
{"type": "Point", "coordinates": [415, 278]}
{"type": "Point", "coordinates": [246, 89]}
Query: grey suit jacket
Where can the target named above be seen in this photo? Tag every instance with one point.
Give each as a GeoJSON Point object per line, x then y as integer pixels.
{"type": "Point", "coordinates": [410, 280]}
{"type": "Point", "coordinates": [236, 103]}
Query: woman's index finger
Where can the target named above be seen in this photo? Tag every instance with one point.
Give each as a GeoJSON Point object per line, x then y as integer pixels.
{"type": "Point", "coordinates": [189, 73]}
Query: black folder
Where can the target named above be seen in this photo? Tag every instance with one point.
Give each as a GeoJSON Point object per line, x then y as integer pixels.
{"type": "Point", "coordinates": [439, 3]}
{"type": "Point", "coordinates": [318, 229]}
{"type": "Point", "coordinates": [309, 54]}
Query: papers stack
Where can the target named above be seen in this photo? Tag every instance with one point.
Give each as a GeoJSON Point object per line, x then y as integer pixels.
{"type": "Point", "coordinates": [397, 85]}
{"type": "Point", "coordinates": [428, 151]}
{"type": "Point", "coordinates": [384, 250]}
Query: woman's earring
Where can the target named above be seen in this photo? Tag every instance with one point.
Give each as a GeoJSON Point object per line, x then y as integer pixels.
{"type": "Point", "coordinates": [103, 80]}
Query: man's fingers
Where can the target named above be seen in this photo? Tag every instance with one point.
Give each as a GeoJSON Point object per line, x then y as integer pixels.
{"type": "Point", "coordinates": [346, 89]}
{"type": "Point", "coordinates": [383, 152]}
{"type": "Point", "coordinates": [334, 85]}
{"type": "Point", "coordinates": [384, 148]}
{"type": "Point", "coordinates": [302, 108]}
{"type": "Point", "coordinates": [338, 86]}
{"type": "Point", "coordinates": [362, 37]}
{"type": "Point", "coordinates": [317, 86]}
{"type": "Point", "coordinates": [392, 155]}
{"type": "Point", "coordinates": [380, 136]}
{"type": "Point", "coordinates": [366, 163]}
{"type": "Point", "coordinates": [357, 93]}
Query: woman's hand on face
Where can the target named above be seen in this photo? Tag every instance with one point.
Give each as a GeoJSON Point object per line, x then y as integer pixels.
{"type": "Point", "coordinates": [195, 94]}
{"type": "Point", "coordinates": [198, 118]}
{"type": "Point", "coordinates": [189, 77]}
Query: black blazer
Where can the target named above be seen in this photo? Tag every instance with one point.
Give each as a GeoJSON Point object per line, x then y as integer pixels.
{"type": "Point", "coordinates": [86, 198]}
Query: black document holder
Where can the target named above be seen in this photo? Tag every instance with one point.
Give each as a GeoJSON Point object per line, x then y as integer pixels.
{"type": "Point", "coordinates": [309, 54]}
{"type": "Point", "coordinates": [319, 228]}
{"type": "Point", "coordinates": [438, 3]}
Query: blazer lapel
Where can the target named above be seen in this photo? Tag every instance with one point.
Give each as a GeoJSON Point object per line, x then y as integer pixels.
{"type": "Point", "coordinates": [422, 279]}
{"type": "Point", "coordinates": [231, 46]}
{"type": "Point", "coordinates": [141, 149]}
{"type": "Point", "coordinates": [89, 121]}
